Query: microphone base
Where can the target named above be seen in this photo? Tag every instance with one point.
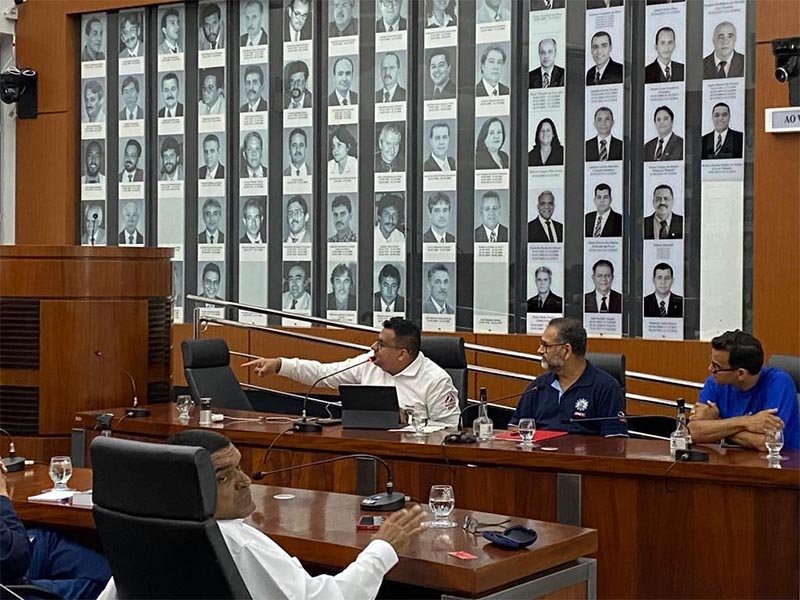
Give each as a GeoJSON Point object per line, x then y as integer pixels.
{"type": "Point", "coordinates": [14, 465]}
{"type": "Point", "coordinates": [691, 455]}
{"type": "Point", "coordinates": [460, 438]}
{"type": "Point", "coordinates": [384, 501]}
{"type": "Point", "coordinates": [306, 427]}
{"type": "Point", "coordinates": [135, 412]}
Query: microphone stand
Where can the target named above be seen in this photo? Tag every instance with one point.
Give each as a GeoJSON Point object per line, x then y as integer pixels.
{"type": "Point", "coordinates": [13, 463]}
{"type": "Point", "coordinates": [384, 501]}
{"type": "Point", "coordinates": [134, 411]}
{"type": "Point", "coordinates": [94, 227]}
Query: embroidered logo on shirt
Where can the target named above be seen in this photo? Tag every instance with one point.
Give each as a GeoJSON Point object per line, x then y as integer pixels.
{"type": "Point", "coordinates": [582, 404]}
{"type": "Point", "coordinates": [450, 401]}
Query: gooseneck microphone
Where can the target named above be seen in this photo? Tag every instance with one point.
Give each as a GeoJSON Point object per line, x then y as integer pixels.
{"type": "Point", "coordinates": [95, 216]}
{"type": "Point", "coordinates": [384, 501]}
{"type": "Point", "coordinates": [304, 425]}
{"type": "Point", "coordinates": [134, 411]}
{"type": "Point", "coordinates": [463, 437]}
{"type": "Point", "coordinates": [13, 463]}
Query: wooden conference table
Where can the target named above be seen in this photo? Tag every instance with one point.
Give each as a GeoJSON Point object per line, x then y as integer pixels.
{"type": "Point", "coordinates": [319, 528]}
{"type": "Point", "coordinates": [725, 528]}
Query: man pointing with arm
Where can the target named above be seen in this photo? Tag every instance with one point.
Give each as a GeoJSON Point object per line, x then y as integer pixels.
{"type": "Point", "coordinates": [397, 361]}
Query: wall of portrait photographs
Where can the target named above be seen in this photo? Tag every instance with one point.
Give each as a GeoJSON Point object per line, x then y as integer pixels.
{"type": "Point", "coordinates": [619, 196]}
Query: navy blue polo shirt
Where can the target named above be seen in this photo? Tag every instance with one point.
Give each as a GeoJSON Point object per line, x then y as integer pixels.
{"type": "Point", "coordinates": [594, 394]}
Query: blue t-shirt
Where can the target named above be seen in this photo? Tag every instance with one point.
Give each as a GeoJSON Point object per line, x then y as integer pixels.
{"type": "Point", "coordinates": [594, 394]}
{"type": "Point", "coordinates": [774, 389]}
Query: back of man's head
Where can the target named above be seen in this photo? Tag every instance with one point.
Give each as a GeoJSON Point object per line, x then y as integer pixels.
{"type": "Point", "coordinates": [744, 349]}
{"type": "Point", "coordinates": [406, 332]}
{"type": "Point", "coordinates": [209, 440]}
{"type": "Point", "coordinates": [571, 331]}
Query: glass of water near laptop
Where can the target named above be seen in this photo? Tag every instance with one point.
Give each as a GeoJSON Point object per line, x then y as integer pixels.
{"type": "Point", "coordinates": [442, 501]}
{"type": "Point", "coordinates": [60, 472]}
{"type": "Point", "coordinates": [773, 440]}
{"type": "Point", "coordinates": [184, 405]}
{"type": "Point", "coordinates": [418, 420]}
{"type": "Point", "coordinates": [526, 429]}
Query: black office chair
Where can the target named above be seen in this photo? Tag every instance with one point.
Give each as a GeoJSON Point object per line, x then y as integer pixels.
{"type": "Point", "coordinates": [207, 365]}
{"type": "Point", "coordinates": [788, 363]}
{"type": "Point", "coordinates": [613, 364]}
{"type": "Point", "coordinates": [153, 508]}
{"type": "Point", "coordinates": [447, 351]}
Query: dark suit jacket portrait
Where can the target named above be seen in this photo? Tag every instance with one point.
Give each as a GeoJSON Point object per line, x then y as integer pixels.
{"type": "Point", "coordinates": [429, 308]}
{"type": "Point", "coordinates": [399, 303]}
{"type": "Point", "coordinates": [537, 233]}
{"type": "Point", "coordinates": [400, 25]}
{"type": "Point", "coordinates": [672, 151]}
{"type": "Point", "coordinates": [556, 157]}
{"type": "Point", "coordinates": [502, 234]}
{"type": "Point", "coordinates": [397, 166]}
{"type": "Point", "coordinates": [675, 231]}
{"type": "Point", "coordinates": [432, 165]}
{"type": "Point", "coordinates": [592, 4]}
{"type": "Point", "coordinates": [178, 111]}
{"type": "Point", "coordinates": [736, 68]}
{"type": "Point", "coordinates": [552, 304]}
{"type": "Point", "coordinates": [655, 2]}
{"type": "Point", "coordinates": [220, 174]}
{"type": "Point", "coordinates": [614, 302]}
{"type": "Point", "coordinates": [262, 39]}
{"type": "Point", "coordinates": [731, 147]}
{"type": "Point", "coordinates": [138, 175]}
{"type": "Point", "coordinates": [333, 99]}
{"type": "Point", "coordinates": [484, 160]}
{"type": "Point", "coordinates": [398, 96]}
{"type": "Point", "coordinates": [674, 307]}
{"type": "Point", "coordinates": [351, 29]}
{"type": "Point", "coordinates": [612, 227]}
{"type": "Point", "coordinates": [308, 100]}
{"type": "Point", "coordinates": [480, 90]}
{"type": "Point", "coordinates": [305, 32]}
{"type": "Point", "coordinates": [261, 106]}
{"type": "Point", "coordinates": [654, 74]}
{"type": "Point", "coordinates": [542, 5]}
{"type": "Point", "coordinates": [202, 238]}
{"type": "Point", "coordinates": [612, 74]}
{"type": "Point", "coordinates": [246, 240]}
{"type": "Point", "coordinates": [351, 302]}
{"type": "Point", "coordinates": [448, 91]}
{"type": "Point", "coordinates": [122, 238]}
{"type": "Point", "coordinates": [556, 77]}
{"type": "Point", "coordinates": [429, 238]}
{"type": "Point", "coordinates": [243, 173]}
{"type": "Point", "coordinates": [123, 114]}
{"type": "Point", "coordinates": [593, 149]}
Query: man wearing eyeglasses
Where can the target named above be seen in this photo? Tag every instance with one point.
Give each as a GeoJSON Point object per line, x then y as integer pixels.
{"type": "Point", "coordinates": [571, 388]}
{"type": "Point", "coordinates": [297, 25]}
{"type": "Point", "coordinates": [395, 360]}
{"type": "Point", "coordinates": [741, 399]}
{"type": "Point", "coordinates": [390, 19]}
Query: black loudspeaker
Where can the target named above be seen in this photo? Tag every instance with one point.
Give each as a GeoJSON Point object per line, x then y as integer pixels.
{"type": "Point", "coordinates": [20, 87]}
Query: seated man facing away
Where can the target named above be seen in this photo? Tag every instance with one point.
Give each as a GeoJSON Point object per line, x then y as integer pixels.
{"type": "Point", "coordinates": [45, 558]}
{"type": "Point", "coordinates": [741, 400]}
{"type": "Point", "coordinates": [395, 360]}
{"type": "Point", "coordinates": [571, 388]}
{"type": "Point", "coordinates": [266, 569]}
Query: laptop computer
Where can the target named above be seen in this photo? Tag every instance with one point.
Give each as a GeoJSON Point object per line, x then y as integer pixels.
{"type": "Point", "coordinates": [369, 407]}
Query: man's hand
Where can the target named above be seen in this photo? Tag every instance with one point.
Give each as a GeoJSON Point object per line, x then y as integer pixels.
{"type": "Point", "coordinates": [3, 485]}
{"type": "Point", "coordinates": [704, 412]}
{"type": "Point", "coordinates": [264, 366]}
{"type": "Point", "coordinates": [401, 527]}
{"type": "Point", "coordinates": [763, 421]}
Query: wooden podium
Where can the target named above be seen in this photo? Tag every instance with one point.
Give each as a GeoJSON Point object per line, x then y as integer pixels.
{"type": "Point", "coordinates": [62, 305]}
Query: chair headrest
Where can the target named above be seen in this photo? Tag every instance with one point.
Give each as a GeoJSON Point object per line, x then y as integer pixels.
{"type": "Point", "coordinates": [613, 364]}
{"type": "Point", "coordinates": [447, 351]}
{"type": "Point", "coordinates": [153, 480]}
{"type": "Point", "coordinates": [201, 354]}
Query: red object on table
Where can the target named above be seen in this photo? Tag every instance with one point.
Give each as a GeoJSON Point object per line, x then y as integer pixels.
{"type": "Point", "coordinates": [539, 436]}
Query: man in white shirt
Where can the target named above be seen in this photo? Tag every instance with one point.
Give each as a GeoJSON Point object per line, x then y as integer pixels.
{"type": "Point", "coordinates": [493, 11]}
{"type": "Point", "coordinates": [724, 61]}
{"type": "Point", "coordinates": [253, 89]}
{"type": "Point", "coordinates": [722, 142]}
{"type": "Point", "coordinates": [253, 21]}
{"type": "Point", "coordinates": [604, 146]}
{"type": "Point", "coordinates": [663, 302]}
{"type": "Point", "coordinates": [390, 220]}
{"type": "Point", "coordinates": [491, 230]}
{"type": "Point", "coordinates": [130, 162]}
{"type": "Point", "coordinates": [603, 222]}
{"type": "Point", "coordinates": [390, 19]}
{"type": "Point", "coordinates": [266, 569]}
{"type": "Point", "coordinates": [492, 61]}
{"type": "Point", "coordinates": [212, 217]}
{"type": "Point", "coordinates": [213, 102]}
{"type": "Point", "coordinates": [439, 68]}
{"type": "Point", "coordinates": [297, 297]}
{"type": "Point", "coordinates": [439, 140]}
{"type": "Point", "coordinates": [130, 97]}
{"type": "Point", "coordinates": [667, 145]}
{"type": "Point", "coordinates": [342, 95]}
{"type": "Point", "coordinates": [396, 361]}
{"type": "Point", "coordinates": [341, 218]}
{"type": "Point", "coordinates": [93, 159]}
{"type": "Point", "coordinates": [544, 228]}
{"type": "Point", "coordinates": [212, 169]}
{"type": "Point", "coordinates": [548, 74]}
{"type": "Point", "coordinates": [297, 219]}
{"type": "Point", "coordinates": [663, 68]}
{"type": "Point", "coordinates": [297, 25]}
{"type": "Point", "coordinates": [170, 89]}
{"type": "Point", "coordinates": [130, 234]}
{"type": "Point", "coordinates": [602, 298]}
{"type": "Point", "coordinates": [252, 150]}
{"type": "Point", "coordinates": [439, 217]}
{"type": "Point", "coordinates": [212, 28]}
{"type": "Point", "coordinates": [605, 70]}
{"type": "Point", "coordinates": [663, 224]}
{"type": "Point", "coordinates": [129, 35]}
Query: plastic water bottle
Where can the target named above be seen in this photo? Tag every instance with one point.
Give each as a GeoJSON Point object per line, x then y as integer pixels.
{"type": "Point", "coordinates": [205, 412]}
{"type": "Point", "coordinates": [482, 427]}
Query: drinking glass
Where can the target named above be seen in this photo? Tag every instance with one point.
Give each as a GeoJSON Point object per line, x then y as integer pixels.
{"type": "Point", "coordinates": [527, 429]}
{"type": "Point", "coordinates": [773, 440]}
{"type": "Point", "coordinates": [419, 420]}
{"type": "Point", "coordinates": [442, 502]}
{"type": "Point", "coordinates": [60, 472]}
{"type": "Point", "coordinates": [184, 404]}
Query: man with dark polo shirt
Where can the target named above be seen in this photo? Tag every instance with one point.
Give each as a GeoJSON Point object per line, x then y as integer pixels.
{"type": "Point", "coordinates": [571, 388]}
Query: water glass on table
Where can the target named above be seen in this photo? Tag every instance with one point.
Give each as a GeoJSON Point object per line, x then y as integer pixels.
{"type": "Point", "coordinates": [184, 405]}
{"type": "Point", "coordinates": [60, 472]}
{"type": "Point", "coordinates": [526, 429]}
{"type": "Point", "coordinates": [773, 440]}
{"type": "Point", "coordinates": [419, 420]}
{"type": "Point", "coordinates": [442, 502]}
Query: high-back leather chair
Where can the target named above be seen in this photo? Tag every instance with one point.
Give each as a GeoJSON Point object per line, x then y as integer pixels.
{"type": "Point", "coordinates": [207, 365]}
{"type": "Point", "coordinates": [613, 364]}
{"type": "Point", "coordinates": [447, 351]}
{"type": "Point", "coordinates": [790, 364]}
{"type": "Point", "coordinates": [153, 508]}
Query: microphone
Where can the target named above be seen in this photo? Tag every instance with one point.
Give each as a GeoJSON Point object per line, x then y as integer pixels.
{"type": "Point", "coordinates": [13, 463]}
{"type": "Point", "coordinates": [134, 411]}
{"type": "Point", "coordinates": [304, 425]}
{"type": "Point", "coordinates": [384, 501]}
{"type": "Point", "coordinates": [95, 216]}
{"type": "Point", "coordinates": [463, 437]}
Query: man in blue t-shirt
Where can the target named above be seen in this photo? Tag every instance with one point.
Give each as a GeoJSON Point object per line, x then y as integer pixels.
{"type": "Point", "coordinates": [741, 401]}
{"type": "Point", "coordinates": [571, 388]}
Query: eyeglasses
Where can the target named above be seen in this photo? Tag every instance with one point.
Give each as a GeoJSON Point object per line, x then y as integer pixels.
{"type": "Point", "coordinates": [715, 368]}
{"type": "Point", "coordinates": [298, 15]}
{"type": "Point", "coordinates": [545, 346]}
{"type": "Point", "coordinates": [475, 527]}
{"type": "Point", "coordinates": [379, 345]}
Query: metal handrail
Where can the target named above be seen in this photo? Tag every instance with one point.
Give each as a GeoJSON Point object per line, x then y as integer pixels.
{"type": "Point", "coordinates": [198, 319]}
